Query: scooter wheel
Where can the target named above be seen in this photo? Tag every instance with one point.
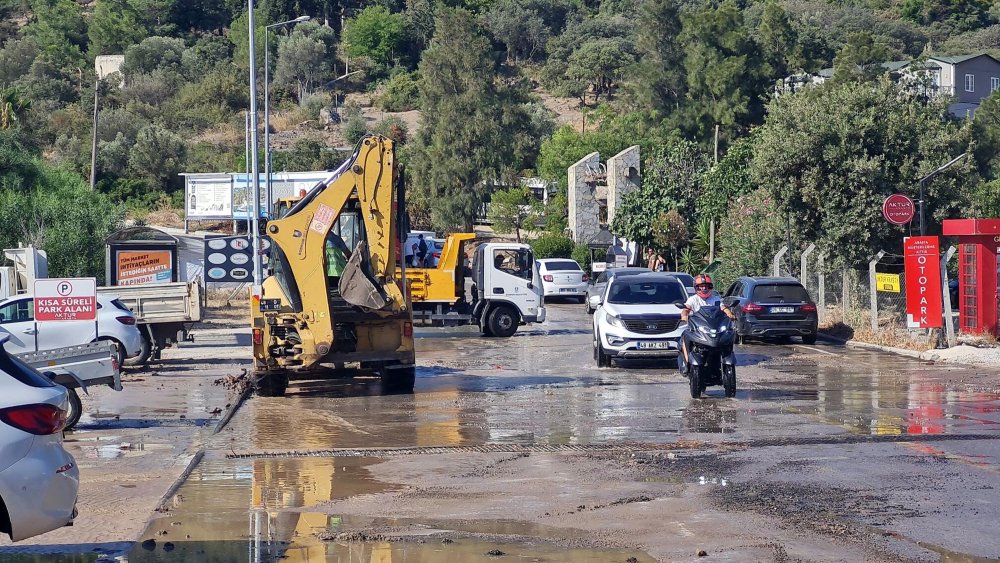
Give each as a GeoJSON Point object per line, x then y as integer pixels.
{"type": "Point", "coordinates": [729, 381]}
{"type": "Point", "coordinates": [694, 381]}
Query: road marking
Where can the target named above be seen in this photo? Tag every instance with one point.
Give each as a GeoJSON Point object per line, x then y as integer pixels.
{"type": "Point", "coordinates": [816, 350]}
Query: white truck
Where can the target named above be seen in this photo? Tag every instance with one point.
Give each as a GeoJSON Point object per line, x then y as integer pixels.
{"type": "Point", "coordinates": [164, 313]}
{"type": "Point", "coordinates": [76, 367]}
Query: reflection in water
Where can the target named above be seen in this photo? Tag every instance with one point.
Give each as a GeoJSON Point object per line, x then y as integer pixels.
{"type": "Point", "coordinates": [233, 511]}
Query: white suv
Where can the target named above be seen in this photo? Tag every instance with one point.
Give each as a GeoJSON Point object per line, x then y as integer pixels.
{"type": "Point", "coordinates": [38, 478]}
{"type": "Point", "coordinates": [637, 318]}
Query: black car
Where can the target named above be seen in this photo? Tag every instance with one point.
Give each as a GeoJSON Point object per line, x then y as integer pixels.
{"type": "Point", "coordinates": [772, 308]}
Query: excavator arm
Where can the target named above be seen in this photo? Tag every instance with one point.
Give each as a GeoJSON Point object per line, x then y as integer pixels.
{"type": "Point", "coordinates": [366, 185]}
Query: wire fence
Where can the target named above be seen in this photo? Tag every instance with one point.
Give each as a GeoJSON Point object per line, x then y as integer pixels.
{"type": "Point", "coordinates": [866, 302]}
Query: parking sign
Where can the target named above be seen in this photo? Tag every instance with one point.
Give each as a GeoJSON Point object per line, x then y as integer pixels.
{"type": "Point", "coordinates": [66, 299]}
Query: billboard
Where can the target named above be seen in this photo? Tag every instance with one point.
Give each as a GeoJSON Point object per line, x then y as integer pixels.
{"type": "Point", "coordinates": [921, 258]}
{"type": "Point", "coordinates": [209, 197]}
{"type": "Point", "coordinates": [140, 267]}
{"type": "Point", "coordinates": [227, 259]}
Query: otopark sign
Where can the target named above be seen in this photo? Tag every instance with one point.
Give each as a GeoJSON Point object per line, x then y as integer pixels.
{"type": "Point", "coordinates": [68, 299]}
{"type": "Point", "coordinates": [923, 281]}
{"type": "Point", "coordinates": [898, 209]}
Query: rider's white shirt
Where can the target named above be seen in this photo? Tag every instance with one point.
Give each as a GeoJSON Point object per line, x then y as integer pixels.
{"type": "Point", "coordinates": [696, 302]}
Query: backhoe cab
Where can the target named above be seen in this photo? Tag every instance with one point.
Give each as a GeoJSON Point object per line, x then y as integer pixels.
{"type": "Point", "coordinates": [333, 297]}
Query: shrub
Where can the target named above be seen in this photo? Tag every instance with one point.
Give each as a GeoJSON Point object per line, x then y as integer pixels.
{"type": "Point", "coordinates": [581, 253]}
{"type": "Point", "coordinates": [400, 93]}
{"type": "Point", "coordinates": [552, 246]}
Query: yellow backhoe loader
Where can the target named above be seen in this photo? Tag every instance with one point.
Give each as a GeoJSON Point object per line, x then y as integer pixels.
{"type": "Point", "coordinates": [334, 298]}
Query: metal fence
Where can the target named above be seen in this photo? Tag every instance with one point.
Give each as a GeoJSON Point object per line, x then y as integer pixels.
{"type": "Point", "coordinates": [867, 301]}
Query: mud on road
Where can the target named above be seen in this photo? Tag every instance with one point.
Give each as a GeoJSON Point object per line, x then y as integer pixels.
{"type": "Point", "coordinates": [522, 449]}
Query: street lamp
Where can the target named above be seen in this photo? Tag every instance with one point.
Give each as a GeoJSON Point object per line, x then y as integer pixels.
{"type": "Point", "coordinates": [927, 180]}
{"type": "Point", "coordinates": [267, 110]}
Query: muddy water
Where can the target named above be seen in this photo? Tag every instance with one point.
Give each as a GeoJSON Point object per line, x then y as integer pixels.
{"type": "Point", "coordinates": [259, 510]}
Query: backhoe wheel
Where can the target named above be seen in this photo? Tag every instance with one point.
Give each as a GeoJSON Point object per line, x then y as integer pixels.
{"type": "Point", "coordinates": [398, 381]}
{"type": "Point", "coordinates": [729, 380]}
{"type": "Point", "coordinates": [503, 321]}
{"type": "Point", "coordinates": [75, 409]}
{"type": "Point", "coordinates": [694, 380]}
{"type": "Point", "coordinates": [271, 384]}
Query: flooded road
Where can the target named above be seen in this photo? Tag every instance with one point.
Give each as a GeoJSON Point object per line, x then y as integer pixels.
{"type": "Point", "coordinates": [524, 450]}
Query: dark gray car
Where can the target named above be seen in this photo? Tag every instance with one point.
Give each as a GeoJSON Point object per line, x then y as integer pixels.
{"type": "Point", "coordinates": [772, 308]}
{"type": "Point", "coordinates": [601, 282]}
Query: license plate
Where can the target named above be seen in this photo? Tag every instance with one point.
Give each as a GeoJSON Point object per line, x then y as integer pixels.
{"type": "Point", "coordinates": [567, 290]}
{"type": "Point", "coordinates": [782, 309]}
{"type": "Point", "coordinates": [654, 345]}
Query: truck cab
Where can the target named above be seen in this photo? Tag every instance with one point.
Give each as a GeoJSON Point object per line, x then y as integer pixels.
{"type": "Point", "coordinates": [507, 288]}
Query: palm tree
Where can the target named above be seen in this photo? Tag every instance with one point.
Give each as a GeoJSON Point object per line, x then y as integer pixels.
{"type": "Point", "coordinates": [11, 104]}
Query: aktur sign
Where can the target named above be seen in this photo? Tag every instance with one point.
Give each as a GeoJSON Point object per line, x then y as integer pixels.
{"type": "Point", "coordinates": [898, 209]}
{"type": "Point", "coordinates": [923, 281]}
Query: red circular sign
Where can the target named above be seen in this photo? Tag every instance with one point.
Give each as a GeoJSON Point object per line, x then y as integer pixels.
{"type": "Point", "coordinates": [898, 209]}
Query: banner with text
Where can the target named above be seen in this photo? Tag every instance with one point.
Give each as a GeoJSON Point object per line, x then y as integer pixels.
{"type": "Point", "coordinates": [144, 267]}
{"type": "Point", "coordinates": [921, 257]}
{"type": "Point", "coordinates": [67, 299]}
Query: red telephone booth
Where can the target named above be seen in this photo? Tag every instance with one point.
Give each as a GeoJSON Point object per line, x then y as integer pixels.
{"type": "Point", "coordinates": [978, 291]}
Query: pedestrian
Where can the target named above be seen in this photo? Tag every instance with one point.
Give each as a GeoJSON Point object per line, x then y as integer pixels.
{"type": "Point", "coordinates": [422, 251]}
{"type": "Point", "coordinates": [412, 256]}
{"type": "Point", "coordinates": [660, 265]}
{"type": "Point", "coordinates": [651, 259]}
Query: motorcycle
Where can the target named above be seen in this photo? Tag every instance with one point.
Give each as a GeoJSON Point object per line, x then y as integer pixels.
{"type": "Point", "coordinates": [709, 340]}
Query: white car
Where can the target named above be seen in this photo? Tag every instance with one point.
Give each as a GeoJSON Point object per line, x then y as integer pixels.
{"type": "Point", "coordinates": [638, 318]}
{"type": "Point", "coordinates": [115, 322]}
{"type": "Point", "coordinates": [38, 478]}
{"type": "Point", "coordinates": [562, 277]}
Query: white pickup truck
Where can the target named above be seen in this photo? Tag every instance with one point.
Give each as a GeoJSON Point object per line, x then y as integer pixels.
{"type": "Point", "coordinates": [164, 313]}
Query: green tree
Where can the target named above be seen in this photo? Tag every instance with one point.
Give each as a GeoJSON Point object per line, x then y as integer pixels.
{"type": "Point", "coordinates": [986, 132]}
{"type": "Point", "coordinates": [670, 232]}
{"type": "Point", "coordinates": [12, 106]}
{"type": "Point", "coordinates": [304, 57]}
{"type": "Point", "coordinates": [658, 81]}
{"type": "Point", "coordinates": [471, 129]}
{"type": "Point", "coordinates": [113, 28]}
{"type": "Point", "coordinates": [239, 35]}
{"type": "Point", "coordinates": [598, 65]}
{"type": "Point", "coordinates": [860, 59]}
{"type": "Point", "coordinates": [830, 155]}
{"type": "Point", "coordinates": [375, 33]}
{"type": "Point", "coordinates": [728, 179]}
{"type": "Point", "coordinates": [158, 155]}
{"type": "Point", "coordinates": [154, 53]}
{"type": "Point", "coordinates": [777, 40]}
{"type": "Point", "coordinates": [521, 29]}
{"type": "Point", "coordinates": [722, 72]}
{"type": "Point", "coordinates": [513, 209]}
{"type": "Point", "coordinates": [59, 31]}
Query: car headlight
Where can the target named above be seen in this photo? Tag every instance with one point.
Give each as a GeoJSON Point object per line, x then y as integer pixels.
{"type": "Point", "coordinates": [615, 321]}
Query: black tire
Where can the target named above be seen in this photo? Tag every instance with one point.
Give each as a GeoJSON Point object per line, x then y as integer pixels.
{"type": "Point", "coordinates": [586, 302]}
{"type": "Point", "coordinates": [145, 351]}
{"type": "Point", "coordinates": [810, 339]}
{"type": "Point", "coordinates": [603, 360]}
{"type": "Point", "coordinates": [399, 381]}
{"type": "Point", "coordinates": [74, 410]}
{"type": "Point", "coordinates": [271, 384]}
{"type": "Point", "coordinates": [503, 321]}
{"type": "Point", "coordinates": [694, 381]}
{"type": "Point", "coordinates": [729, 380]}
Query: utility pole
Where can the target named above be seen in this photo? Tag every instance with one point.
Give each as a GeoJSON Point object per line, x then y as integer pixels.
{"type": "Point", "coordinates": [93, 143]}
{"type": "Point", "coordinates": [254, 163]}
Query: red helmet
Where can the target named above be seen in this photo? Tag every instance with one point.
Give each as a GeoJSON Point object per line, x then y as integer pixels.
{"type": "Point", "coordinates": [703, 285]}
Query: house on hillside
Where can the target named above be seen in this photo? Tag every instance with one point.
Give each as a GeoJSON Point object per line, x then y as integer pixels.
{"type": "Point", "coordinates": [967, 78]}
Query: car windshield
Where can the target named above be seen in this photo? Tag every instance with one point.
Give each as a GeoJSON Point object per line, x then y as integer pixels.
{"type": "Point", "coordinates": [780, 293]}
{"type": "Point", "coordinates": [562, 265]}
{"type": "Point", "coordinates": [633, 290]}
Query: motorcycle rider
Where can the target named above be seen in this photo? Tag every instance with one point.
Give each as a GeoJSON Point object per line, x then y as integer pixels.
{"type": "Point", "coordinates": [705, 296]}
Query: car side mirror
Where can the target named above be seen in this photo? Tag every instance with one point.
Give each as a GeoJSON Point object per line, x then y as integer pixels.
{"type": "Point", "coordinates": [531, 285]}
{"type": "Point", "coordinates": [679, 304]}
{"type": "Point", "coordinates": [594, 301]}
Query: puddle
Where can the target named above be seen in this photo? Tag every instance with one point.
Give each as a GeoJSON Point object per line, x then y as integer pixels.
{"type": "Point", "coordinates": [249, 510]}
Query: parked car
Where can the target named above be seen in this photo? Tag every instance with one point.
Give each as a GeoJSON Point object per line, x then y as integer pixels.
{"type": "Point", "coordinates": [115, 322]}
{"type": "Point", "coordinates": [772, 308]}
{"type": "Point", "coordinates": [435, 248]}
{"type": "Point", "coordinates": [562, 277]}
{"type": "Point", "coordinates": [686, 279]}
{"type": "Point", "coordinates": [637, 318]}
{"type": "Point", "coordinates": [602, 280]}
{"type": "Point", "coordinates": [38, 478]}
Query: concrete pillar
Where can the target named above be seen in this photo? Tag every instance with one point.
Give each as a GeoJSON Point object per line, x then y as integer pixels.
{"type": "Point", "coordinates": [583, 206]}
{"type": "Point", "coordinates": [624, 176]}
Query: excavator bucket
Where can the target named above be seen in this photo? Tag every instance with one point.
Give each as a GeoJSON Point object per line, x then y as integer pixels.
{"type": "Point", "coordinates": [357, 287]}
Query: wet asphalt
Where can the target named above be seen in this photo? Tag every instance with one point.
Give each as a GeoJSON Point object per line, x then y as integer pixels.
{"type": "Point", "coordinates": [892, 454]}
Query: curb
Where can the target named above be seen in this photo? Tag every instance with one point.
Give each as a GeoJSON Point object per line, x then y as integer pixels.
{"type": "Point", "coordinates": [876, 347]}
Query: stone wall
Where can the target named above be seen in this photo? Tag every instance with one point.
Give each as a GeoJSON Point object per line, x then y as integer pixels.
{"type": "Point", "coordinates": [584, 208]}
{"type": "Point", "coordinates": [624, 176]}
